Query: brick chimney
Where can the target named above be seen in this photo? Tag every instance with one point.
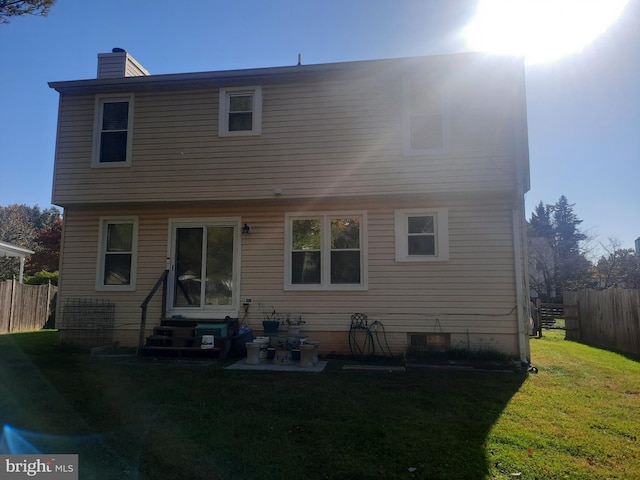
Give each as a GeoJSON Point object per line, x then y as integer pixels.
{"type": "Point", "coordinates": [119, 64]}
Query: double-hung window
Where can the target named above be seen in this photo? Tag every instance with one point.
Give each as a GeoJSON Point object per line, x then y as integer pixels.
{"type": "Point", "coordinates": [113, 131]}
{"type": "Point", "coordinates": [325, 251]}
{"type": "Point", "coordinates": [422, 235]}
{"type": "Point", "coordinates": [426, 121]}
{"type": "Point", "coordinates": [117, 256]}
{"type": "Point", "coordinates": [240, 111]}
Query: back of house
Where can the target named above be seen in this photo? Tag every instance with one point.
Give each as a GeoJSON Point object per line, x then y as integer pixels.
{"type": "Point", "coordinates": [392, 188]}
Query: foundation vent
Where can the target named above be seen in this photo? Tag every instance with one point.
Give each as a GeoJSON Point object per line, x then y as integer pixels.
{"type": "Point", "coordinates": [429, 342]}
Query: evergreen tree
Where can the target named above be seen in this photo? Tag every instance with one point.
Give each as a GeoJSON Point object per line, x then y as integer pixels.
{"type": "Point", "coordinates": [541, 240]}
{"type": "Point", "coordinates": [572, 268]}
{"type": "Point", "coordinates": [541, 221]}
{"type": "Point", "coordinates": [556, 260]}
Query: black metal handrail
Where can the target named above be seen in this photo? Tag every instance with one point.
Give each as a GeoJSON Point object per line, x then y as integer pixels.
{"type": "Point", "coordinates": [162, 281]}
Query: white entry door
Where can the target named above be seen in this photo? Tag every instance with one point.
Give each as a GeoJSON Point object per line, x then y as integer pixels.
{"type": "Point", "coordinates": [204, 275]}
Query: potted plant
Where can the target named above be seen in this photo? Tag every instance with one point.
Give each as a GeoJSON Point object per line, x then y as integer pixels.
{"type": "Point", "coordinates": [294, 325]}
{"type": "Point", "coordinates": [271, 323]}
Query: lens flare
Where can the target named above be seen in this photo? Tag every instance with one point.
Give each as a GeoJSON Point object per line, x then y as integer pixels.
{"type": "Point", "coordinates": [540, 30]}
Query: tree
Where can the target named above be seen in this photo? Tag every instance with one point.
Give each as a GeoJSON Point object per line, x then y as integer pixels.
{"type": "Point", "coordinates": [556, 260]}
{"type": "Point", "coordinates": [541, 221]}
{"type": "Point", "coordinates": [32, 228]}
{"type": "Point", "coordinates": [16, 8]}
{"type": "Point", "coordinates": [572, 267]}
{"type": "Point", "coordinates": [47, 249]}
{"type": "Point", "coordinates": [541, 256]}
{"type": "Point", "coordinates": [619, 268]}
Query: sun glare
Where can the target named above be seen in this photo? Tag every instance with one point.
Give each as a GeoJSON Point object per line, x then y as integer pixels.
{"type": "Point", "coordinates": [540, 30]}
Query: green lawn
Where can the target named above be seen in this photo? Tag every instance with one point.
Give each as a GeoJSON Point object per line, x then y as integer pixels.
{"type": "Point", "coordinates": [579, 417]}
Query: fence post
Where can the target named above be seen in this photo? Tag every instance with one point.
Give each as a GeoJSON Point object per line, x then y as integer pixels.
{"type": "Point", "coordinates": [538, 318]}
{"type": "Point", "coordinates": [578, 320]}
{"type": "Point", "coordinates": [48, 302]}
{"type": "Point", "coordinates": [12, 303]}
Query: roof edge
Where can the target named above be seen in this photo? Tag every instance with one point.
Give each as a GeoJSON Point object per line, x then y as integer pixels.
{"type": "Point", "coordinates": [11, 250]}
{"type": "Point", "coordinates": [212, 78]}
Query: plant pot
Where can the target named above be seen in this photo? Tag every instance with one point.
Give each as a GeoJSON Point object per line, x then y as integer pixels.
{"type": "Point", "coordinates": [270, 327]}
{"type": "Point", "coordinates": [295, 355]}
{"type": "Point", "coordinates": [294, 330]}
{"type": "Point", "coordinates": [282, 357]}
{"type": "Point", "coordinates": [253, 353]}
{"type": "Point", "coordinates": [308, 355]}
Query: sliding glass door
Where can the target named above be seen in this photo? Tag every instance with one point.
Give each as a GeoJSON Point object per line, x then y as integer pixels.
{"type": "Point", "coordinates": [204, 267]}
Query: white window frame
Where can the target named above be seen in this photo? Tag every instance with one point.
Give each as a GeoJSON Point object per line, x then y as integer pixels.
{"type": "Point", "coordinates": [441, 227]}
{"type": "Point", "coordinates": [97, 129]}
{"type": "Point", "coordinates": [325, 251]}
{"type": "Point", "coordinates": [224, 108]}
{"type": "Point", "coordinates": [102, 253]}
{"type": "Point", "coordinates": [408, 114]}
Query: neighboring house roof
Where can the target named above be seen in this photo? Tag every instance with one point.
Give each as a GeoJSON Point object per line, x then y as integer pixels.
{"type": "Point", "coordinates": [10, 250]}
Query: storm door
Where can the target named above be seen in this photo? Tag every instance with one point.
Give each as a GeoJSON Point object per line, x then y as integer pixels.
{"type": "Point", "coordinates": [204, 268]}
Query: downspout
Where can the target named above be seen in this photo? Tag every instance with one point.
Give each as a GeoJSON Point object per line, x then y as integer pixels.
{"type": "Point", "coordinates": [59, 317]}
{"type": "Point", "coordinates": [58, 306]}
{"type": "Point", "coordinates": [522, 304]}
{"type": "Point", "coordinates": [523, 308]}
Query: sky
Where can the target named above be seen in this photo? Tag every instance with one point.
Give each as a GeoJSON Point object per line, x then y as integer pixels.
{"type": "Point", "coordinates": [583, 109]}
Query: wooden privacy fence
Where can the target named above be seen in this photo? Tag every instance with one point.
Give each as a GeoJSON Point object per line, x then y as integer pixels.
{"type": "Point", "coordinates": [24, 308]}
{"type": "Point", "coordinates": [545, 315]}
{"type": "Point", "coordinates": [609, 318]}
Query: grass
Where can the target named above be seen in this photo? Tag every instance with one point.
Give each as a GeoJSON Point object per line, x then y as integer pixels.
{"type": "Point", "coordinates": [579, 417]}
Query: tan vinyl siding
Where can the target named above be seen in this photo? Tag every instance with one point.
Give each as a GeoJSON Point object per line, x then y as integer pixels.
{"type": "Point", "coordinates": [472, 296]}
{"type": "Point", "coordinates": [322, 137]}
{"type": "Point", "coordinates": [332, 140]}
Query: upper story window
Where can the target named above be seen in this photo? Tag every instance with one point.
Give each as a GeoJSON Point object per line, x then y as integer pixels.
{"type": "Point", "coordinates": [113, 131]}
{"type": "Point", "coordinates": [426, 119]}
{"type": "Point", "coordinates": [422, 235]}
{"type": "Point", "coordinates": [117, 256]}
{"type": "Point", "coordinates": [325, 251]}
{"type": "Point", "coordinates": [240, 111]}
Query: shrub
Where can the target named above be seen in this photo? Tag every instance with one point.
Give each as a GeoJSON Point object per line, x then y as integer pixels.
{"type": "Point", "coordinates": [42, 278]}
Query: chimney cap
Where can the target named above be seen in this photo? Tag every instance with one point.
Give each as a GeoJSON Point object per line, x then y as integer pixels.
{"type": "Point", "coordinates": [118, 50]}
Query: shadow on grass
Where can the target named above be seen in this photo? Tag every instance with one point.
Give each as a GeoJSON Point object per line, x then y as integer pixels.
{"type": "Point", "coordinates": [206, 422]}
{"type": "Point", "coordinates": [37, 417]}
